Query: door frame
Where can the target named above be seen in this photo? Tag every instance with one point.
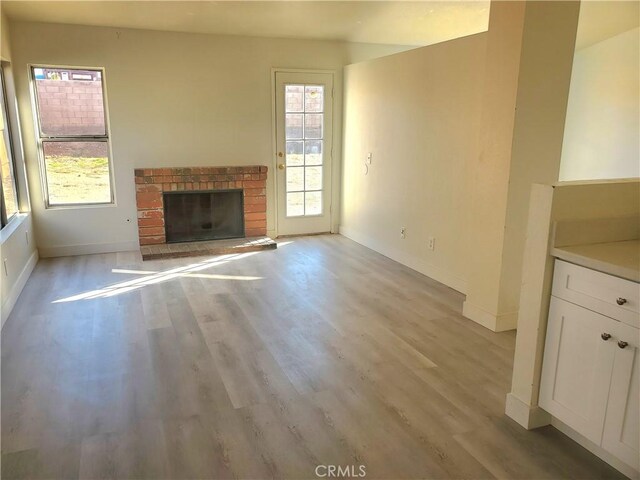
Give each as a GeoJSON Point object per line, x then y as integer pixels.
{"type": "Point", "coordinates": [273, 165]}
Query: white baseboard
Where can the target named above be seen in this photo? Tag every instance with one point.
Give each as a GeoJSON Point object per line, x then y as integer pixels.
{"type": "Point", "coordinates": [87, 249]}
{"type": "Point", "coordinates": [15, 292]}
{"type": "Point", "coordinates": [495, 323]}
{"type": "Point", "coordinates": [528, 416]}
{"type": "Point", "coordinates": [597, 450]}
{"type": "Point", "coordinates": [441, 275]}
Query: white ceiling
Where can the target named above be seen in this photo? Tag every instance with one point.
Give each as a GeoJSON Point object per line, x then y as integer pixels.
{"type": "Point", "coordinates": [388, 22]}
{"type": "Point", "coordinates": [600, 20]}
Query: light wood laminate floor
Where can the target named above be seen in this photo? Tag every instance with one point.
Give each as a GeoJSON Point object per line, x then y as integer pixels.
{"type": "Point", "coordinates": [260, 365]}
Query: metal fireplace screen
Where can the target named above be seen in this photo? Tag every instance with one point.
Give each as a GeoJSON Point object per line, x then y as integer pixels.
{"type": "Point", "coordinates": [210, 215]}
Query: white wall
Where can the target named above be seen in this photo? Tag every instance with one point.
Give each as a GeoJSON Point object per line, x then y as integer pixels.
{"type": "Point", "coordinates": [602, 132]}
{"type": "Point", "coordinates": [17, 245]}
{"type": "Point", "coordinates": [174, 99]}
{"type": "Point", "coordinates": [529, 56]}
{"type": "Point", "coordinates": [5, 47]}
{"type": "Point", "coordinates": [418, 113]}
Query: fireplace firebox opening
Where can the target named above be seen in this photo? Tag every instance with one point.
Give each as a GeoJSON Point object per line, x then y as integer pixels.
{"type": "Point", "coordinates": [203, 215]}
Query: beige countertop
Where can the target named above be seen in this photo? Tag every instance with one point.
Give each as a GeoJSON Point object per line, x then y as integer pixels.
{"type": "Point", "coordinates": [621, 259]}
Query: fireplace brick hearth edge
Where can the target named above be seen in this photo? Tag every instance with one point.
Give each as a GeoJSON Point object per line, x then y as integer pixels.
{"type": "Point", "coordinates": [152, 182]}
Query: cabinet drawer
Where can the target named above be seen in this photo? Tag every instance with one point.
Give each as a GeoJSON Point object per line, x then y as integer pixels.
{"type": "Point", "coordinates": [598, 292]}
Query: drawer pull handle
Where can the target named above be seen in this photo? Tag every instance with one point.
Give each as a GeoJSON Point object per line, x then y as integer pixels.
{"type": "Point", "coordinates": [622, 344]}
{"type": "Point", "coordinates": [605, 336]}
{"type": "Point", "coordinates": [621, 301]}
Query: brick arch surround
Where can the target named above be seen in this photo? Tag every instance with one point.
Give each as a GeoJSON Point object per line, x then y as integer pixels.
{"type": "Point", "coordinates": [152, 182]}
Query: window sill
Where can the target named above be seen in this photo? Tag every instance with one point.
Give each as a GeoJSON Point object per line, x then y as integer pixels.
{"type": "Point", "coordinates": [80, 206]}
{"type": "Point", "coordinates": [12, 226]}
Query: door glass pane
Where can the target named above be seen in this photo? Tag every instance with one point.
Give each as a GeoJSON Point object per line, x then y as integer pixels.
{"type": "Point", "coordinates": [313, 98]}
{"type": "Point", "coordinates": [294, 125]}
{"type": "Point", "coordinates": [70, 102]}
{"type": "Point", "coordinates": [313, 152]}
{"type": "Point", "coordinates": [77, 172]}
{"type": "Point", "coordinates": [295, 204]}
{"type": "Point", "coordinates": [313, 125]}
{"type": "Point", "coordinates": [313, 178]}
{"type": "Point", "coordinates": [295, 179]}
{"type": "Point", "coordinates": [294, 153]}
{"type": "Point", "coordinates": [304, 122]}
{"type": "Point", "coordinates": [313, 203]}
{"type": "Point", "coordinates": [294, 98]}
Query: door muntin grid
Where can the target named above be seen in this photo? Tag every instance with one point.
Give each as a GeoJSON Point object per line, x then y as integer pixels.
{"type": "Point", "coordinates": [304, 147]}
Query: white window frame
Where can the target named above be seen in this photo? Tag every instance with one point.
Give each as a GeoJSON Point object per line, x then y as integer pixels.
{"type": "Point", "coordinates": [42, 137]}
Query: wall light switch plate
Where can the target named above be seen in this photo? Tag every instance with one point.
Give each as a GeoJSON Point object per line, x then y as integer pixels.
{"type": "Point", "coordinates": [431, 243]}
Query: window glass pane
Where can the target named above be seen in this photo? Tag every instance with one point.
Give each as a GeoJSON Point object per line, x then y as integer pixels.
{"type": "Point", "coordinates": [295, 204]}
{"type": "Point", "coordinates": [295, 179]}
{"type": "Point", "coordinates": [8, 182]}
{"type": "Point", "coordinates": [313, 203]}
{"type": "Point", "coordinates": [313, 178]}
{"type": "Point", "coordinates": [70, 102]}
{"type": "Point", "coordinates": [313, 152]}
{"type": "Point", "coordinates": [313, 125]}
{"type": "Point", "coordinates": [293, 125]}
{"type": "Point", "coordinates": [9, 194]}
{"type": "Point", "coordinates": [313, 98]}
{"type": "Point", "coordinates": [77, 172]}
{"type": "Point", "coordinates": [294, 98]}
{"type": "Point", "coordinates": [294, 153]}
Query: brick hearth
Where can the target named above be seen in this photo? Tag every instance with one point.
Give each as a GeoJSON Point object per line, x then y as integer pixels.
{"type": "Point", "coordinates": [151, 182]}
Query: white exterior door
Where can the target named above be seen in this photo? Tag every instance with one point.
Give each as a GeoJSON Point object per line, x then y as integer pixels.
{"type": "Point", "coordinates": [304, 114]}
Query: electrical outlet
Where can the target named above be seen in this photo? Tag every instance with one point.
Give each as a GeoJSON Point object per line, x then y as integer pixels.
{"type": "Point", "coordinates": [369, 157]}
{"type": "Point", "coordinates": [403, 232]}
{"type": "Point", "coordinates": [431, 243]}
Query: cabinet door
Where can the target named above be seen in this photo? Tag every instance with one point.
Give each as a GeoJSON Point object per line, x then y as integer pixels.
{"type": "Point", "coordinates": [576, 370]}
{"type": "Point", "coordinates": [621, 434]}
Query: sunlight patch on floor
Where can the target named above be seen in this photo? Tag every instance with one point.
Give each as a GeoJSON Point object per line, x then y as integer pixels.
{"type": "Point", "coordinates": [153, 277]}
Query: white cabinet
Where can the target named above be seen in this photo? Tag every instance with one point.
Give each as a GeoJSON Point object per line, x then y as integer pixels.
{"type": "Point", "coordinates": [591, 373]}
{"type": "Point", "coordinates": [576, 372]}
{"type": "Point", "coordinates": [621, 434]}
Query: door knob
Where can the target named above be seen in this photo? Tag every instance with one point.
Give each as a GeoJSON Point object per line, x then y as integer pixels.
{"type": "Point", "coordinates": [280, 154]}
{"type": "Point", "coordinates": [605, 336]}
{"type": "Point", "coordinates": [621, 301]}
{"type": "Point", "coordinates": [622, 344]}
{"type": "Point", "coordinates": [281, 166]}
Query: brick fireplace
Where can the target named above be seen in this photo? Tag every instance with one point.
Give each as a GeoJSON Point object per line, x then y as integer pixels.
{"type": "Point", "coordinates": [152, 182]}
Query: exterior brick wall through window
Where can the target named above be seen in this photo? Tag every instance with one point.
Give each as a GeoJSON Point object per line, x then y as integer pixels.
{"type": "Point", "coordinates": [71, 107]}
